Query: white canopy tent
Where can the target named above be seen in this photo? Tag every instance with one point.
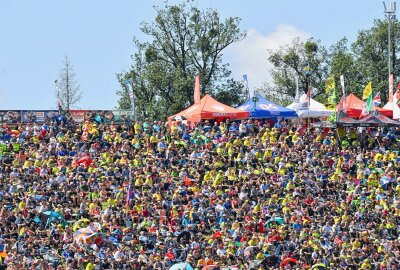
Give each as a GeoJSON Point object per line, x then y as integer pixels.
{"type": "Point", "coordinates": [312, 110]}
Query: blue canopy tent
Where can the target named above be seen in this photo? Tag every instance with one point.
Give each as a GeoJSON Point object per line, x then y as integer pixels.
{"type": "Point", "coordinates": [259, 107]}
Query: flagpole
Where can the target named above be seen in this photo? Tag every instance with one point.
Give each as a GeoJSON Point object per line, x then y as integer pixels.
{"type": "Point", "coordinates": [58, 96]}
{"type": "Point", "coordinates": [297, 97]}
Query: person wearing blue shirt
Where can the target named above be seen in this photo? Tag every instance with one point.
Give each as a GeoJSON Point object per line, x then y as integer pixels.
{"type": "Point", "coordinates": [186, 136]}
{"type": "Point", "coordinates": [326, 141]}
{"type": "Point", "coordinates": [206, 126]}
{"type": "Point", "coordinates": [62, 152]}
{"type": "Point", "coordinates": [233, 128]}
{"type": "Point", "coordinates": [156, 127]}
{"type": "Point", "coordinates": [277, 125]}
{"type": "Point", "coordinates": [227, 204]}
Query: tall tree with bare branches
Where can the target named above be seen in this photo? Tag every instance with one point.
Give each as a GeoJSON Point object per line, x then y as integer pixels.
{"type": "Point", "coordinates": [68, 91]}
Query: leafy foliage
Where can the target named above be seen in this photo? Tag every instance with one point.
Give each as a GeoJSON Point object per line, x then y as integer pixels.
{"type": "Point", "coordinates": [307, 60]}
{"type": "Point", "coordinates": [366, 59]}
{"type": "Point", "coordinates": [184, 42]}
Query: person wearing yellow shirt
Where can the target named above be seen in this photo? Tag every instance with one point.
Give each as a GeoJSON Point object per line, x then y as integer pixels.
{"type": "Point", "coordinates": [320, 138]}
{"type": "Point", "coordinates": [228, 145]}
{"type": "Point", "coordinates": [138, 181]}
{"type": "Point", "coordinates": [231, 151]}
{"type": "Point", "coordinates": [273, 199]}
{"type": "Point", "coordinates": [149, 181]}
{"type": "Point", "coordinates": [273, 139]}
{"type": "Point", "coordinates": [153, 139]}
{"type": "Point", "coordinates": [219, 164]}
{"type": "Point", "coordinates": [260, 256]}
{"type": "Point", "coordinates": [253, 241]}
{"type": "Point", "coordinates": [218, 180]}
{"type": "Point", "coordinates": [124, 160]}
{"type": "Point", "coordinates": [174, 129]}
{"type": "Point", "coordinates": [137, 127]}
{"type": "Point", "coordinates": [28, 163]}
{"type": "Point", "coordinates": [247, 142]}
{"type": "Point", "coordinates": [295, 137]}
{"type": "Point", "coordinates": [90, 266]}
{"type": "Point", "coordinates": [237, 142]}
{"type": "Point", "coordinates": [157, 197]}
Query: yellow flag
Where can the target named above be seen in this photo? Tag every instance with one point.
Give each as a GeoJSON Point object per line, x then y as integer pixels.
{"type": "Point", "coordinates": [367, 91]}
{"type": "Point", "coordinates": [329, 84]}
{"type": "Point", "coordinates": [330, 90]}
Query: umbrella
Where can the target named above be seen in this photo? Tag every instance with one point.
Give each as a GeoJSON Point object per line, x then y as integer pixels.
{"type": "Point", "coordinates": [78, 224]}
{"type": "Point", "coordinates": [86, 160]}
{"type": "Point", "coordinates": [287, 261]}
{"type": "Point", "coordinates": [179, 118]}
{"type": "Point", "coordinates": [318, 266]}
{"type": "Point", "coordinates": [277, 220]}
{"type": "Point", "coordinates": [181, 266]}
{"type": "Point", "coordinates": [248, 250]}
{"type": "Point", "coordinates": [94, 238]}
{"type": "Point", "coordinates": [52, 214]}
{"type": "Point", "coordinates": [82, 234]}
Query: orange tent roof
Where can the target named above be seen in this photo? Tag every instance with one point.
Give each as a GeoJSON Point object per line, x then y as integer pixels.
{"type": "Point", "coordinates": [209, 108]}
{"type": "Point", "coordinates": [353, 107]}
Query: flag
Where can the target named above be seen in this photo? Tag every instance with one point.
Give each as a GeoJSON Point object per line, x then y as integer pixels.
{"type": "Point", "coordinates": [331, 92]}
{"type": "Point", "coordinates": [85, 134]}
{"type": "Point", "coordinates": [249, 95]}
{"type": "Point", "coordinates": [297, 89]}
{"type": "Point", "coordinates": [391, 91]}
{"type": "Point", "coordinates": [369, 104]}
{"type": "Point", "coordinates": [364, 111]}
{"type": "Point", "coordinates": [377, 99]}
{"type": "Point", "coordinates": [342, 85]}
{"type": "Point", "coordinates": [396, 109]}
{"type": "Point", "coordinates": [367, 91]}
{"type": "Point", "coordinates": [343, 89]}
{"type": "Point", "coordinates": [367, 107]}
{"type": "Point", "coordinates": [128, 196]}
{"type": "Point", "coordinates": [329, 84]}
{"type": "Point", "coordinates": [197, 89]}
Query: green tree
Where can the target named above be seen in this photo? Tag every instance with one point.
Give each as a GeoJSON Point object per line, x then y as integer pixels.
{"type": "Point", "coordinates": [371, 56]}
{"type": "Point", "coordinates": [305, 59]}
{"type": "Point", "coordinates": [342, 62]}
{"type": "Point", "coordinates": [183, 42]}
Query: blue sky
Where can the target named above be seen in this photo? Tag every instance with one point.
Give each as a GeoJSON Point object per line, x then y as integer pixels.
{"type": "Point", "coordinates": [97, 36]}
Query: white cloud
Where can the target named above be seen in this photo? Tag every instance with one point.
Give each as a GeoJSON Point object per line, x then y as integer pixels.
{"type": "Point", "coordinates": [250, 56]}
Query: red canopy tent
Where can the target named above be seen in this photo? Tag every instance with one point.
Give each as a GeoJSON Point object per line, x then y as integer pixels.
{"type": "Point", "coordinates": [353, 107]}
{"type": "Point", "coordinates": [209, 108]}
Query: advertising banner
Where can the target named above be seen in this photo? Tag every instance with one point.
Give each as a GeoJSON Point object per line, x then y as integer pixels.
{"type": "Point", "coordinates": [38, 116]}
{"type": "Point", "coordinates": [78, 115]}
{"type": "Point", "coordinates": [115, 116]}
{"type": "Point", "coordinates": [10, 116]}
{"type": "Point", "coordinates": [123, 116]}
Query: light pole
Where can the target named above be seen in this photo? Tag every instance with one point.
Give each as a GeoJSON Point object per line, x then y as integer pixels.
{"type": "Point", "coordinates": [390, 15]}
{"type": "Point", "coordinates": [306, 71]}
{"type": "Point", "coordinates": [58, 96]}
